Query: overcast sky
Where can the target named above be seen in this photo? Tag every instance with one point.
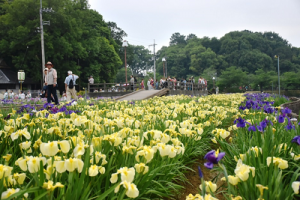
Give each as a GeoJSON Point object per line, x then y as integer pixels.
{"type": "Point", "coordinates": [145, 20]}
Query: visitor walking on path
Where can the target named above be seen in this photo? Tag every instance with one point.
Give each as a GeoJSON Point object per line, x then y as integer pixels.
{"type": "Point", "coordinates": [51, 82]}
{"type": "Point", "coordinates": [131, 82]}
{"type": "Point", "coordinates": [152, 83]}
{"type": "Point", "coordinates": [148, 85]}
{"type": "Point", "coordinates": [70, 83]}
{"type": "Point", "coordinates": [142, 84]}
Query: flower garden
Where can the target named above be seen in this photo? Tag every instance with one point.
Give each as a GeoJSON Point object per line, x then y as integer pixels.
{"type": "Point", "coordinates": [106, 149]}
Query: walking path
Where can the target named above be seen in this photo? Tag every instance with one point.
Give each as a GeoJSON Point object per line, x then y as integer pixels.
{"type": "Point", "coordinates": [143, 94]}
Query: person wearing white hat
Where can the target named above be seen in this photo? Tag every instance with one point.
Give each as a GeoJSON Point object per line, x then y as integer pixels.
{"type": "Point", "coordinates": [91, 80]}
{"type": "Point", "coordinates": [70, 82]}
{"type": "Point", "coordinates": [51, 82]}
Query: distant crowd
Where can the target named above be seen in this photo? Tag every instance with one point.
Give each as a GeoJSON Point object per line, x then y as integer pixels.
{"type": "Point", "coordinates": [9, 94]}
{"type": "Point", "coordinates": [170, 82]}
{"type": "Point", "coordinates": [187, 84]}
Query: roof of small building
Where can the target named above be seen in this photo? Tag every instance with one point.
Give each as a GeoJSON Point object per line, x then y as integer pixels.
{"type": "Point", "coordinates": [7, 76]}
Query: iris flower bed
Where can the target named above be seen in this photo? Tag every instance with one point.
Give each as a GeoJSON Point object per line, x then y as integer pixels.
{"type": "Point", "coordinates": [105, 149]}
{"type": "Point", "coordinates": [260, 158]}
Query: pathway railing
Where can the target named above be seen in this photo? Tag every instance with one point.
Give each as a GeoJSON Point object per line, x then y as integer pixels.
{"type": "Point", "coordinates": [123, 87]}
{"type": "Point", "coordinates": [112, 87]}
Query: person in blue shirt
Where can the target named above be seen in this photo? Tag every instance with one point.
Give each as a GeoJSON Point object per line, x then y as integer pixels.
{"type": "Point", "coordinates": [156, 85]}
{"type": "Point", "coordinates": [71, 91]}
{"type": "Point", "coordinates": [184, 83]}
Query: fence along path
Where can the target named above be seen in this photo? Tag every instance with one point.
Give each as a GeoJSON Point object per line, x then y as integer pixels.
{"type": "Point", "coordinates": [139, 94]}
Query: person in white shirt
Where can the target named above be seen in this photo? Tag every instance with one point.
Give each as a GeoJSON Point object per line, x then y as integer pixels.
{"type": "Point", "coordinates": [21, 95]}
{"type": "Point", "coordinates": [28, 96]}
{"type": "Point", "coordinates": [91, 80]}
{"type": "Point", "coordinates": [11, 95]}
{"type": "Point", "coordinates": [51, 82]}
{"type": "Point", "coordinates": [71, 91]}
{"type": "Point", "coordinates": [149, 85]}
{"type": "Point", "coordinates": [5, 95]}
{"type": "Point", "coordinates": [132, 82]}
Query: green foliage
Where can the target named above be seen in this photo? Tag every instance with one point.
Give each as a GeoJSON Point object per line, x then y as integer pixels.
{"type": "Point", "coordinates": [138, 58]}
{"type": "Point", "coordinates": [263, 78]}
{"type": "Point", "coordinates": [279, 100]}
{"type": "Point", "coordinates": [78, 40]}
{"type": "Point", "coordinates": [232, 77]}
{"type": "Point", "coordinates": [251, 52]}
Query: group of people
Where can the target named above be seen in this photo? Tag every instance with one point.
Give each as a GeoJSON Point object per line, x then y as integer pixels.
{"type": "Point", "coordinates": [164, 82]}
{"type": "Point", "coordinates": [11, 95]}
{"type": "Point", "coordinates": [50, 84]}
{"type": "Point", "coordinates": [50, 87]}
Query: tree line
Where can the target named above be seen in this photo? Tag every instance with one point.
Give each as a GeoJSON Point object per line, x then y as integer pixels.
{"type": "Point", "coordinates": [78, 39]}
{"type": "Point", "coordinates": [237, 59]}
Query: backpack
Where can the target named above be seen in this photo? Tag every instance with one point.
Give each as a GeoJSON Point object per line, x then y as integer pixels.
{"type": "Point", "coordinates": [71, 84]}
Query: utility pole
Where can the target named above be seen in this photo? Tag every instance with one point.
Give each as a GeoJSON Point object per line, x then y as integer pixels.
{"type": "Point", "coordinates": [41, 29]}
{"type": "Point", "coordinates": [42, 41]}
{"type": "Point", "coordinates": [125, 44]}
{"type": "Point", "coordinates": [154, 60]}
{"type": "Point", "coordinates": [166, 68]}
{"type": "Point", "coordinates": [277, 56]}
{"type": "Point", "coordinates": [278, 77]}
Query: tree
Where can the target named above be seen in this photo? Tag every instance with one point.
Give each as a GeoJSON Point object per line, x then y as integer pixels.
{"type": "Point", "coordinates": [232, 77]}
{"type": "Point", "coordinates": [290, 80]}
{"type": "Point", "coordinates": [117, 35]}
{"type": "Point", "coordinates": [263, 79]}
{"type": "Point", "coordinates": [250, 60]}
{"type": "Point", "coordinates": [177, 39]}
{"type": "Point", "coordinates": [139, 58]}
{"type": "Point", "coordinates": [205, 58]}
{"type": "Point", "coordinates": [190, 37]}
{"type": "Point", "coordinates": [78, 40]}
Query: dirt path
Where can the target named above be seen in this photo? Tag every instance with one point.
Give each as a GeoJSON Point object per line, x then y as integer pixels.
{"type": "Point", "coordinates": [194, 181]}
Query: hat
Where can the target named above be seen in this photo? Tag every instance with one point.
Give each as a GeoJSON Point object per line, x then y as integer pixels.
{"type": "Point", "coordinates": [49, 63]}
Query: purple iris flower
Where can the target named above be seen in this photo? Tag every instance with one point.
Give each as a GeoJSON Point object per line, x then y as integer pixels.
{"type": "Point", "coordinates": [46, 105]}
{"type": "Point", "coordinates": [248, 105]}
{"type": "Point", "coordinates": [69, 112]}
{"type": "Point", "coordinates": [62, 109]}
{"type": "Point", "coordinates": [212, 158]}
{"type": "Point", "coordinates": [280, 119]}
{"type": "Point", "coordinates": [252, 128]}
{"type": "Point", "coordinates": [286, 111]}
{"type": "Point", "coordinates": [242, 107]}
{"type": "Point", "coordinates": [54, 110]}
{"type": "Point", "coordinates": [132, 103]}
{"type": "Point", "coordinates": [260, 128]}
{"type": "Point", "coordinates": [256, 107]}
{"type": "Point", "coordinates": [200, 172]}
{"type": "Point", "coordinates": [268, 109]}
{"type": "Point", "coordinates": [7, 117]}
{"type": "Point", "coordinates": [296, 139]}
{"type": "Point", "coordinates": [241, 123]}
{"type": "Point", "coordinates": [91, 104]}
{"type": "Point", "coordinates": [290, 126]}
{"type": "Point", "coordinates": [264, 124]}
